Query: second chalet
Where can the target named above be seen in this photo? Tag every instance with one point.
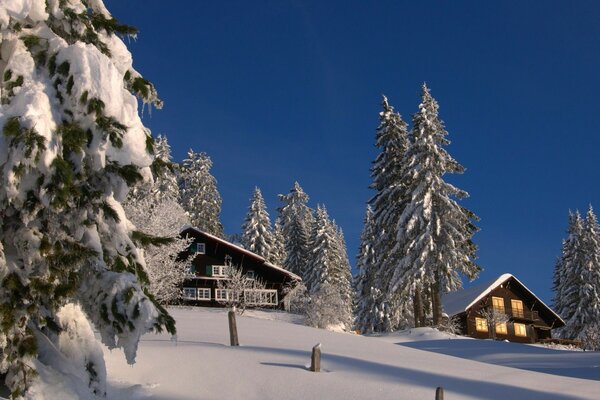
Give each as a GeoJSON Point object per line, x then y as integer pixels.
{"type": "Point", "coordinates": [210, 260]}
{"type": "Point", "coordinates": [530, 320]}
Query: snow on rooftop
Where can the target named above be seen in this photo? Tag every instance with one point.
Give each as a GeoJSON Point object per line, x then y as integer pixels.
{"type": "Point", "coordinates": [245, 251]}
{"type": "Point", "coordinates": [460, 301]}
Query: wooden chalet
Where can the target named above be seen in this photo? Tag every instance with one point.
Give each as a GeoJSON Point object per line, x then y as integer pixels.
{"type": "Point", "coordinates": [530, 320]}
{"type": "Point", "coordinates": [210, 260]}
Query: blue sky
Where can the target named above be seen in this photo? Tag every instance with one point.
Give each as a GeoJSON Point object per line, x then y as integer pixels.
{"type": "Point", "coordinates": [278, 91]}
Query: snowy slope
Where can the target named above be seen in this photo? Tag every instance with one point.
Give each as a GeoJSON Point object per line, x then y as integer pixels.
{"type": "Point", "coordinates": [272, 361]}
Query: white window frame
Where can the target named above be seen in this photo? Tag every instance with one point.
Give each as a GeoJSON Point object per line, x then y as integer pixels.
{"type": "Point", "coordinates": [204, 294]}
{"type": "Point", "coordinates": [190, 293]}
{"type": "Point", "coordinates": [199, 248]}
{"type": "Point", "coordinates": [220, 270]}
{"type": "Point", "coordinates": [261, 297]}
{"type": "Point", "coordinates": [224, 294]}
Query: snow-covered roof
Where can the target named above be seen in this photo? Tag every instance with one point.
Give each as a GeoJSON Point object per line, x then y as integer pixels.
{"type": "Point", "coordinates": [245, 251]}
{"type": "Point", "coordinates": [460, 301]}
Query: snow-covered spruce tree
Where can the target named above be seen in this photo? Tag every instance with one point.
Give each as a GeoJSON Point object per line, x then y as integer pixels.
{"type": "Point", "coordinates": [199, 195]}
{"type": "Point", "coordinates": [365, 314]}
{"type": "Point", "coordinates": [581, 285]}
{"type": "Point", "coordinates": [162, 217]}
{"type": "Point", "coordinates": [565, 282]}
{"type": "Point", "coordinates": [388, 312]}
{"type": "Point", "coordinates": [328, 265]}
{"type": "Point", "coordinates": [296, 219]}
{"type": "Point", "coordinates": [165, 179]}
{"type": "Point", "coordinates": [72, 144]}
{"type": "Point", "coordinates": [278, 253]}
{"type": "Point", "coordinates": [256, 229]}
{"type": "Point", "coordinates": [434, 243]}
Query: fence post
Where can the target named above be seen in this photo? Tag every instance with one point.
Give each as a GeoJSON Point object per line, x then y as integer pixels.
{"type": "Point", "coordinates": [233, 335]}
{"type": "Point", "coordinates": [315, 360]}
{"type": "Point", "coordinates": [439, 393]}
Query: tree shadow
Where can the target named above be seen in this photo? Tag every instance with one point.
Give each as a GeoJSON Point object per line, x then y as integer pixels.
{"type": "Point", "coordinates": [461, 385]}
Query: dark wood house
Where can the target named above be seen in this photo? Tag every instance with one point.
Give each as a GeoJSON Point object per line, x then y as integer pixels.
{"type": "Point", "coordinates": [530, 320]}
{"type": "Point", "coordinates": [210, 261]}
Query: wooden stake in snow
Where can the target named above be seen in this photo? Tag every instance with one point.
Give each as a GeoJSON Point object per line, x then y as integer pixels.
{"type": "Point", "coordinates": [233, 335]}
{"type": "Point", "coordinates": [439, 393]}
{"type": "Point", "coordinates": [315, 360]}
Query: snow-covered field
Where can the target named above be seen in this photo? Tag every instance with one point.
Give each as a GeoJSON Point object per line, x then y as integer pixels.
{"type": "Point", "coordinates": [272, 362]}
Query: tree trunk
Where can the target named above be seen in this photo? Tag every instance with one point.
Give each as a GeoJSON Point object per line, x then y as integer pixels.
{"type": "Point", "coordinates": [436, 301]}
{"type": "Point", "coordinates": [418, 308]}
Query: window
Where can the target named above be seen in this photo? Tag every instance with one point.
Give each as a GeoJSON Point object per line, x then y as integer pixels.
{"type": "Point", "coordinates": [481, 324]}
{"type": "Point", "coordinates": [520, 330]}
{"type": "Point", "coordinates": [189, 293]}
{"type": "Point", "coordinates": [220, 270]}
{"type": "Point", "coordinates": [498, 304]}
{"type": "Point", "coordinates": [267, 297]}
{"type": "Point", "coordinates": [517, 308]}
{"type": "Point", "coordinates": [224, 294]}
{"type": "Point", "coordinates": [203, 293]}
{"type": "Point", "coordinates": [250, 275]}
{"type": "Point", "coordinates": [501, 329]}
{"type": "Point", "coordinates": [199, 248]}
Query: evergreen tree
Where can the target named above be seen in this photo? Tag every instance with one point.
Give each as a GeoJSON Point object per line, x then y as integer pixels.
{"type": "Point", "coordinates": [386, 312]}
{"type": "Point", "coordinates": [72, 145]}
{"type": "Point", "coordinates": [434, 232]}
{"type": "Point", "coordinates": [564, 298]}
{"type": "Point", "coordinates": [256, 230]}
{"type": "Point", "coordinates": [278, 254]}
{"type": "Point", "coordinates": [367, 296]}
{"type": "Point", "coordinates": [296, 219]}
{"type": "Point", "coordinates": [199, 195]}
{"type": "Point", "coordinates": [580, 285]}
{"type": "Point", "coordinates": [328, 263]}
{"type": "Point", "coordinates": [165, 185]}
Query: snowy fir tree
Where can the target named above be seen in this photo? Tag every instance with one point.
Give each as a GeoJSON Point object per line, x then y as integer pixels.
{"type": "Point", "coordinates": [578, 277]}
{"type": "Point", "coordinates": [278, 254]}
{"type": "Point", "coordinates": [434, 233]}
{"type": "Point", "coordinates": [367, 318]}
{"type": "Point", "coordinates": [72, 144]}
{"type": "Point", "coordinates": [296, 220]}
{"type": "Point", "coordinates": [165, 179]}
{"type": "Point", "coordinates": [374, 308]}
{"type": "Point", "coordinates": [199, 195]}
{"type": "Point", "coordinates": [328, 264]}
{"type": "Point", "coordinates": [564, 281]}
{"type": "Point", "coordinates": [256, 230]}
{"type": "Point", "coordinates": [162, 217]}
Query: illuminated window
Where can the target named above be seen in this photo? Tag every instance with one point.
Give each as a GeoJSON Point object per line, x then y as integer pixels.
{"type": "Point", "coordinates": [501, 329]}
{"type": "Point", "coordinates": [520, 330]}
{"type": "Point", "coordinates": [481, 324]}
{"type": "Point", "coordinates": [517, 308]}
{"type": "Point", "coordinates": [498, 304]}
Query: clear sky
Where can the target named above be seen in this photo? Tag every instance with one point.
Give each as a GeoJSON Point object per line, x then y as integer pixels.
{"type": "Point", "coordinates": [278, 91]}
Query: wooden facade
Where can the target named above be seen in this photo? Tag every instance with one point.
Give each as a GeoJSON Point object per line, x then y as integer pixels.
{"type": "Point", "coordinates": [529, 319]}
{"type": "Point", "coordinates": [210, 258]}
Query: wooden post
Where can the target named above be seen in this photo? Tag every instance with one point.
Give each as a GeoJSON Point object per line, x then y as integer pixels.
{"type": "Point", "coordinates": [315, 360]}
{"type": "Point", "coordinates": [233, 335]}
{"type": "Point", "coordinates": [439, 393]}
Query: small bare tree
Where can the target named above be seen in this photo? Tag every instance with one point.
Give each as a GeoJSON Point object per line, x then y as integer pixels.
{"type": "Point", "coordinates": [451, 325]}
{"type": "Point", "coordinates": [295, 298]}
{"type": "Point", "coordinates": [236, 287]}
{"type": "Point", "coordinates": [493, 318]}
{"type": "Point", "coordinates": [590, 338]}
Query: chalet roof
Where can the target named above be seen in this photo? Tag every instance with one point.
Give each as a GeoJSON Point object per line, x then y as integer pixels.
{"type": "Point", "coordinates": [460, 301]}
{"type": "Point", "coordinates": [244, 251]}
